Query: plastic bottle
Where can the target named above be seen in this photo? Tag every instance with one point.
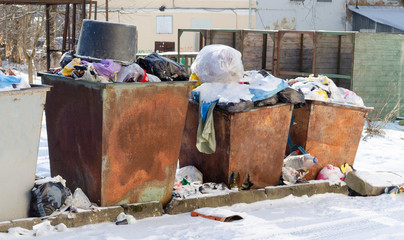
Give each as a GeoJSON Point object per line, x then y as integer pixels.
{"type": "Point", "coordinates": [300, 162]}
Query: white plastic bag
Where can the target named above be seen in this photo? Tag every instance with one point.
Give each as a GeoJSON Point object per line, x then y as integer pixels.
{"type": "Point", "coordinates": [218, 63]}
{"type": "Point", "coordinates": [190, 173]}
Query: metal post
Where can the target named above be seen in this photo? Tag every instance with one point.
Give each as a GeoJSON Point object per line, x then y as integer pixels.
{"type": "Point", "coordinates": [106, 10]}
{"type": "Point", "coordinates": [47, 37]}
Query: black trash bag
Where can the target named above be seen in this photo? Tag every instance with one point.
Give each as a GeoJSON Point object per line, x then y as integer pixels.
{"type": "Point", "coordinates": [267, 102]}
{"type": "Point", "coordinates": [47, 198]}
{"type": "Point", "coordinates": [242, 106]}
{"type": "Point", "coordinates": [290, 95]}
{"type": "Point", "coordinates": [162, 67]}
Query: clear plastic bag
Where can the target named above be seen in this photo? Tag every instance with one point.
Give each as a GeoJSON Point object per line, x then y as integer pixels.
{"type": "Point", "coordinates": [218, 63]}
{"type": "Point", "coordinates": [131, 73]}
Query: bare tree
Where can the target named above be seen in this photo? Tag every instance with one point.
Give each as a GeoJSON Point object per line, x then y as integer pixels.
{"type": "Point", "coordinates": [33, 25]}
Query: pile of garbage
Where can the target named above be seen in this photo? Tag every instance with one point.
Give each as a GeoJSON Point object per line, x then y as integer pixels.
{"type": "Point", "coordinates": [152, 68]}
{"type": "Point", "coordinates": [322, 88]}
{"type": "Point", "coordinates": [189, 184]}
{"type": "Point", "coordinates": [50, 197]}
{"type": "Point", "coordinates": [10, 82]}
{"type": "Point", "coordinates": [222, 83]}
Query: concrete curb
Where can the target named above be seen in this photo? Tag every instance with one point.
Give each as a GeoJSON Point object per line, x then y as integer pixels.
{"type": "Point", "coordinates": [177, 206]}
{"type": "Point", "coordinates": [153, 209]}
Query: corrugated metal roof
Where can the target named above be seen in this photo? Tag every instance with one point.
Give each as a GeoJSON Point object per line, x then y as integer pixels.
{"type": "Point", "coordinates": [391, 16]}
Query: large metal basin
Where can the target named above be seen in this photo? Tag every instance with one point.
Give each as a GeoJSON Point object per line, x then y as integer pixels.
{"type": "Point", "coordinates": [119, 142]}
{"type": "Point", "coordinates": [250, 143]}
{"type": "Point", "coordinates": [20, 127]}
{"type": "Point", "coordinates": [329, 132]}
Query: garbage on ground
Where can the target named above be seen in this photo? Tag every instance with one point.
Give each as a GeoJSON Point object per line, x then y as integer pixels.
{"type": "Point", "coordinates": [221, 215]}
{"type": "Point", "coordinates": [125, 219]}
{"type": "Point", "coordinates": [295, 167]}
{"type": "Point", "coordinates": [322, 88]}
{"type": "Point", "coordinates": [331, 173]}
{"type": "Point", "coordinates": [41, 229]}
{"type": "Point", "coordinates": [47, 197]}
{"type": "Point", "coordinates": [9, 81]}
{"type": "Point", "coordinates": [50, 197]}
{"type": "Point", "coordinates": [188, 184]}
{"type": "Point", "coordinates": [397, 189]}
{"type": "Point", "coordinates": [153, 68]}
{"type": "Point", "coordinates": [226, 86]}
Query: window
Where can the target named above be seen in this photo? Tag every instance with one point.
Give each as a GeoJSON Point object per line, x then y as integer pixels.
{"type": "Point", "coordinates": [164, 24]}
{"type": "Point", "coordinates": [324, 0]}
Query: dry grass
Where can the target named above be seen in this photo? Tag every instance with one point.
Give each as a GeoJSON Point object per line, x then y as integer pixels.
{"type": "Point", "coordinates": [382, 114]}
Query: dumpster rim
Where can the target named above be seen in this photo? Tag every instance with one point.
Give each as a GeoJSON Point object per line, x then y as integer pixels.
{"type": "Point", "coordinates": [33, 88]}
{"type": "Point", "coordinates": [340, 105]}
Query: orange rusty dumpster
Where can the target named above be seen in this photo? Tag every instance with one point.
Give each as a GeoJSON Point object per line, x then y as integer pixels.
{"type": "Point", "coordinates": [330, 132]}
{"type": "Point", "coordinates": [119, 142]}
{"type": "Point", "coordinates": [248, 144]}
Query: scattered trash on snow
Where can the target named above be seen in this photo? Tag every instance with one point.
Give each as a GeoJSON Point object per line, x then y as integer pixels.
{"type": "Point", "coordinates": [125, 219]}
{"type": "Point", "coordinates": [221, 215]}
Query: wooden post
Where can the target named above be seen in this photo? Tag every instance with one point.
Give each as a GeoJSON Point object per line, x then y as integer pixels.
{"type": "Point", "coordinates": [264, 50]}
{"type": "Point", "coordinates": [67, 26]}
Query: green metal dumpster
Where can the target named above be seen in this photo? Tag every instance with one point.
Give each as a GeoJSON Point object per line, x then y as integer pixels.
{"type": "Point", "coordinates": [249, 144]}
{"type": "Point", "coordinates": [119, 142]}
{"type": "Point", "coordinates": [20, 126]}
{"type": "Point", "coordinates": [330, 132]}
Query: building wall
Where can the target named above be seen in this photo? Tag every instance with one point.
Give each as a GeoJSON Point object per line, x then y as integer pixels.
{"type": "Point", "coordinates": [329, 15]}
{"type": "Point", "coordinates": [302, 15]}
{"type": "Point", "coordinates": [229, 14]}
{"type": "Point", "coordinates": [378, 70]}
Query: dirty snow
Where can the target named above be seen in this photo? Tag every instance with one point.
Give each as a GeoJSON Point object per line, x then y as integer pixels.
{"type": "Point", "coordinates": [322, 216]}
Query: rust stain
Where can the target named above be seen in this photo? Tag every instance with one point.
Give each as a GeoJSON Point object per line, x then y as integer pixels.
{"type": "Point", "coordinates": [251, 143]}
{"type": "Point", "coordinates": [332, 135]}
{"type": "Point", "coordinates": [285, 24]}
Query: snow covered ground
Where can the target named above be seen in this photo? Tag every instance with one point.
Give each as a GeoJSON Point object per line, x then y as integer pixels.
{"type": "Point", "coordinates": [322, 216]}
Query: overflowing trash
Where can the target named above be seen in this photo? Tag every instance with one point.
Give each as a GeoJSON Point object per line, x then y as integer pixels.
{"type": "Point", "coordinates": [153, 68]}
{"type": "Point", "coordinates": [322, 88]}
{"type": "Point", "coordinates": [10, 82]}
{"type": "Point", "coordinates": [189, 184]}
{"type": "Point", "coordinates": [225, 85]}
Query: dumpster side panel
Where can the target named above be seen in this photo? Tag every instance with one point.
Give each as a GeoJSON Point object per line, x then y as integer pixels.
{"type": "Point", "coordinates": [20, 127]}
{"type": "Point", "coordinates": [258, 141]}
{"type": "Point", "coordinates": [214, 167]}
{"type": "Point", "coordinates": [143, 126]}
{"type": "Point", "coordinates": [333, 135]}
{"type": "Point", "coordinates": [74, 125]}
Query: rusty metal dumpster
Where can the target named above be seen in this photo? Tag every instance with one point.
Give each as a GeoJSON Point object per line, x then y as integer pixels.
{"type": "Point", "coordinates": [20, 126]}
{"type": "Point", "coordinates": [329, 132]}
{"type": "Point", "coordinates": [250, 143]}
{"type": "Point", "coordinates": [119, 142]}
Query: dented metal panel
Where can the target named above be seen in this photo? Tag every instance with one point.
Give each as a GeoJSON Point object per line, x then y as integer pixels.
{"type": "Point", "coordinates": [118, 142]}
{"type": "Point", "coordinates": [20, 127]}
{"type": "Point", "coordinates": [329, 132]}
{"type": "Point", "coordinates": [251, 143]}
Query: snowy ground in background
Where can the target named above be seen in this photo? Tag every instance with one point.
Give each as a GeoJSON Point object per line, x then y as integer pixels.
{"type": "Point", "coordinates": [323, 216]}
